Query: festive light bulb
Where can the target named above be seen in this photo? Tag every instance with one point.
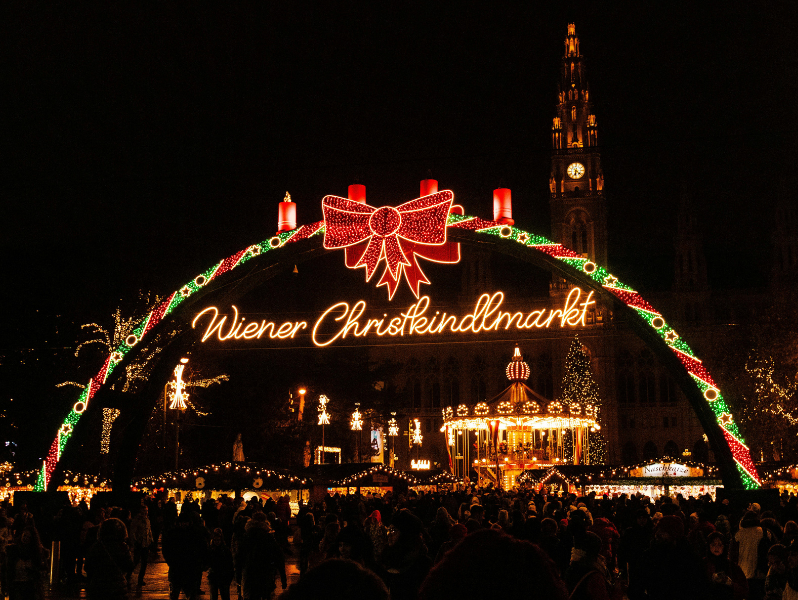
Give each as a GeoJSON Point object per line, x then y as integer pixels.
{"type": "Point", "coordinates": [357, 421]}
{"type": "Point", "coordinates": [393, 426]}
{"type": "Point", "coordinates": [177, 389]}
{"type": "Point", "coordinates": [417, 437]}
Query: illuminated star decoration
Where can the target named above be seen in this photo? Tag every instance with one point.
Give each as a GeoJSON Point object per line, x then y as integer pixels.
{"type": "Point", "coordinates": [671, 337]}
{"type": "Point", "coordinates": [610, 280]}
{"type": "Point", "coordinates": [324, 417]}
{"type": "Point", "coordinates": [523, 238]}
{"type": "Point", "coordinates": [725, 419]}
{"type": "Point", "coordinates": [393, 427]}
{"type": "Point", "coordinates": [397, 235]}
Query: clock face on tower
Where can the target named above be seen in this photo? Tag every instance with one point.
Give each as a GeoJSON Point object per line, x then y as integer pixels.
{"type": "Point", "coordinates": [575, 170]}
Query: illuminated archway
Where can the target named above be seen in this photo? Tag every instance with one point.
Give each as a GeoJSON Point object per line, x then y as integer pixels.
{"type": "Point", "coordinates": [167, 329]}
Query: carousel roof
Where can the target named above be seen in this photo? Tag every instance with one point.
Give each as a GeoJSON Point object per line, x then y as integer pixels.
{"type": "Point", "coordinates": [520, 406]}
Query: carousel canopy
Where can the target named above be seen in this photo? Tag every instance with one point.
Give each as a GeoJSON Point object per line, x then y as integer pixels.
{"type": "Point", "coordinates": [520, 406]}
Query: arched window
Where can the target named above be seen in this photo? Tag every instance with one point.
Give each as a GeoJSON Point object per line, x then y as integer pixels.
{"type": "Point", "coordinates": [650, 451]}
{"type": "Point", "coordinates": [416, 394]}
{"type": "Point", "coordinates": [453, 390]}
{"type": "Point", "coordinates": [435, 394]}
{"type": "Point", "coordinates": [672, 450]}
{"type": "Point", "coordinates": [700, 452]}
{"type": "Point", "coordinates": [667, 391]}
{"type": "Point", "coordinates": [629, 453]}
{"type": "Point", "coordinates": [577, 221]}
{"type": "Point", "coordinates": [626, 388]}
{"type": "Point", "coordinates": [645, 388]}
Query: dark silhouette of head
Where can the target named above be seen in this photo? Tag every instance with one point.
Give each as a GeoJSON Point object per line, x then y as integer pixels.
{"type": "Point", "coordinates": [470, 570]}
{"type": "Point", "coordinates": [337, 579]}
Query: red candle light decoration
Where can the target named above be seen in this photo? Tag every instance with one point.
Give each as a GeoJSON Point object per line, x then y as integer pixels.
{"type": "Point", "coordinates": [502, 206]}
{"type": "Point", "coordinates": [286, 215]}
{"type": "Point", "coordinates": [357, 193]}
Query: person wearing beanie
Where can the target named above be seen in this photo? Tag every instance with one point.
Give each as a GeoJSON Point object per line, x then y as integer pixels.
{"type": "Point", "coordinates": [456, 535]}
{"type": "Point", "coordinates": [635, 541]}
{"type": "Point", "coordinates": [587, 577]}
{"type": "Point", "coordinates": [405, 562]}
{"type": "Point", "coordinates": [669, 569]}
{"type": "Point", "coordinates": [726, 579]}
{"type": "Point", "coordinates": [776, 579]}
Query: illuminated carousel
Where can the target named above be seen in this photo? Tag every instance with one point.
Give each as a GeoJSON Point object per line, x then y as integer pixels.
{"type": "Point", "coordinates": [517, 430]}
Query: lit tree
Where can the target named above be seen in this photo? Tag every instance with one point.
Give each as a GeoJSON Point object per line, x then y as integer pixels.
{"type": "Point", "coordinates": [578, 386]}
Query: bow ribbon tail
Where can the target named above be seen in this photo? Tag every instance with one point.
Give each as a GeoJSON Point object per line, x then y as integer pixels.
{"type": "Point", "coordinates": [390, 281]}
{"type": "Point", "coordinates": [446, 253]}
{"type": "Point", "coordinates": [372, 256]}
{"type": "Point", "coordinates": [414, 275]}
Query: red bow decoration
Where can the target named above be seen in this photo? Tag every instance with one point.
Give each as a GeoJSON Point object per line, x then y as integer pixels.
{"type": "Point", "coordinates": [396, 234]}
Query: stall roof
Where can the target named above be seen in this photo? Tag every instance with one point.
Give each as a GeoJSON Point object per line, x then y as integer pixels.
{"type": "Point", "coordinates": [353, 474]}
{"type": "Point", "coordinates": [435, 476]}
{"type": "Point", "coordinates": [228, 476]}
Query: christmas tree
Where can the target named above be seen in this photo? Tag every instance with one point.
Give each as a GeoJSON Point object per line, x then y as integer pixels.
{"type": "Point", "coordinates": [578, 386]}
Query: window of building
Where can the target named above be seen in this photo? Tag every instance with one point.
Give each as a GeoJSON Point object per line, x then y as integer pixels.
{"type": "Point", "coordinates": [667, 391]}
{"type": "Point", "coordinates": [416, 394]}
{"type": "Point", "coordinates": [672, 450]}
{"type": "Point", "coordinates": [665, 422]}
{"type": "Point", "coordinates": [629, 453]}
{"type": "Point", "coordinates": [646, 388]}
{"type": "Point", "coordinates": [650, 451]}
{"type": "Point", "coordinates": [435, 394]}
{"type": "Point", "coordinates": [626, 389]}
{"type": "Point", "coordinates": [454, 392]}
{"type": "Point", "coordinates": [700, 452]}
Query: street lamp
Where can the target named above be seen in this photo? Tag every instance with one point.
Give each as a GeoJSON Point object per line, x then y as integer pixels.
{"type": "Point", "coordinates": [417, 437]}
{"type": "Point", "coordinates": [302, 392]}
{"type": "Point", "coordinates": [324, 419]}
{"type": "Point", "coordinates": [393, 431]}
{"type": "Point", "coordinates": [357, 425]}
{"type": "Point", "coordinates": [176, 392]}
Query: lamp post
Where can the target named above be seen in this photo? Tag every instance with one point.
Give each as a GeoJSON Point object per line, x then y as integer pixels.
{"type": "Point", "coordinates": [417, 437]}
{"type": "Point", "coordinates": [393, 431]}
{"type": "Point", "coordinates": [324, 419]}
{"type": "Point", "coordinates": [302, 391]}
{"type": "Point", "coordinates": [357, 425]}
{"type": "Point", "coordinates": [176, 392]}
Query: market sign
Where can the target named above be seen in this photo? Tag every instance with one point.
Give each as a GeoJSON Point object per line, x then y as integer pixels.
{"type": "Point", "coordinates": [419, 465]}
{"type": "Point", "coordinates": [342, 320]}
{"type": "Point", "coordinates": [667, 469]}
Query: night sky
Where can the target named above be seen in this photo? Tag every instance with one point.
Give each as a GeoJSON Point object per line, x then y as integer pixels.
{"type": "Point", "coordinates": [142, 147]}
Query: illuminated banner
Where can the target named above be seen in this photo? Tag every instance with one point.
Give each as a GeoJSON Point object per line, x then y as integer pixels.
{"type": "Point", "coordinates": [343, 320]}
{"type": "Point", "coordinates": [419, 465]}
{"type": "Point", "coordinates": [666, 470]}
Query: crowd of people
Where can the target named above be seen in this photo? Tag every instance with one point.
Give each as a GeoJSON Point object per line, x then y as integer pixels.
{"type": "Point", "coordinates": [414, 545]}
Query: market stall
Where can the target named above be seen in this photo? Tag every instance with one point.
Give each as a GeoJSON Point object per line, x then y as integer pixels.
{"type": "Point", "coordinates": [213, 481]}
